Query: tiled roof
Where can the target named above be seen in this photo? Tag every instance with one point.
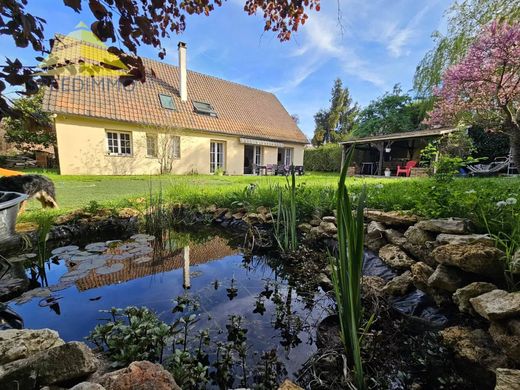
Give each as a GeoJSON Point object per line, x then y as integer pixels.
{"type": "Point", "coordinates": [241, 110]}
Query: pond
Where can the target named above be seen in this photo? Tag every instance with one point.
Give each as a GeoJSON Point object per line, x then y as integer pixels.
{"type": "Point", "coordinates": [80, 281]}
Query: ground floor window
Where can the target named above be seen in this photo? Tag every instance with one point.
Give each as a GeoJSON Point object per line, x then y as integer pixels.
{"type": "Point", "coordinates": [151, 145]}
{"type": "Point", "coordinates": [216, 156]}
{"type": "Point", "coordinates": [285, 156]}
{"type": "Point", "coordinates": [176, 147]}
{"type": "Point", "coordinates": [119, 143]}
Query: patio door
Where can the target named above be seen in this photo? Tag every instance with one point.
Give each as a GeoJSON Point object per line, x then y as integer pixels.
{"type": "Point", "coordinates": [252, 158]}
{"type": "Point", "coordinates": [216, 156]}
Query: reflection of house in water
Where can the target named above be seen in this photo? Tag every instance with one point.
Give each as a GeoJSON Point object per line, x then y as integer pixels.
{"type": "Point", "coordinates": [213, 249]}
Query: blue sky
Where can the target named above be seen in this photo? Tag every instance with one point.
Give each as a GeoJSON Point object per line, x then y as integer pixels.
{"type": "Point", "coordinates": [378, 44]}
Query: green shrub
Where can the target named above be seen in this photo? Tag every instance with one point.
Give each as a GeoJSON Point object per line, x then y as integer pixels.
{"type": "Point", "coordinates": [326, 158]}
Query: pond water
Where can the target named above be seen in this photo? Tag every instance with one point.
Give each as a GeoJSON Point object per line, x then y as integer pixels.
{"type": "Point", "coordinates": [80, 281]}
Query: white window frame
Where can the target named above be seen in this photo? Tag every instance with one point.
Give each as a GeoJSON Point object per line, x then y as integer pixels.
{"type": "Point", "coordinates": [176, 147]}
{"type": "Point", "coordinates": [155, 139]}
{"type": "Point", "coordinates": [116, 143]}
{"type": "Point", "coordinates": [288, 156]}
{"type": "Point", "coordinates": [214, 161]}
{"type": "Point", "coordinates": [258, 157]}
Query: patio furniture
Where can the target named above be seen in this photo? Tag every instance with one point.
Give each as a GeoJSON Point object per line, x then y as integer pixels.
{"type": "Point", "coordinates": [496, 166]}
{"type": "Point", "coordinates": [269, 169]}
{"type": "Point", "coordinates": [407, 168]}
{"type": "Point", "coordinates": [369, 165]}
{"type": "Point", "coordinates": [299, 170]}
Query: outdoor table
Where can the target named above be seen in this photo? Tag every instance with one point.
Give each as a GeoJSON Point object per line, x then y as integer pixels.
{"type": "Point", "coordinates": [260, 168]}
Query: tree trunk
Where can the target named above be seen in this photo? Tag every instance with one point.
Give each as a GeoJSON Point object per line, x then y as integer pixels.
{"type": "Point", "coordinates": [514, 137]}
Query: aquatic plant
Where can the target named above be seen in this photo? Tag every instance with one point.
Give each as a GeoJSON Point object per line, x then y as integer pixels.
{"type": "Point", "coordinates": [285, 218]}
{"type": "Point", "coordinates": [133, 333]}
{"type": "Point", "coordinates": [346, 271]}
{"type": "Point", "coordinates": [507, 216]}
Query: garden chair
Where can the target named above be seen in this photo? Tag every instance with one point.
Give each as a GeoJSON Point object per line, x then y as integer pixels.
{"type": "Point", "coordinates": [407, 168]}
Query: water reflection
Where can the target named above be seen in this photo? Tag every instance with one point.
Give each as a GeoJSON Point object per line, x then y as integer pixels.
{"type": "Point", "coordinates": [101, 275]}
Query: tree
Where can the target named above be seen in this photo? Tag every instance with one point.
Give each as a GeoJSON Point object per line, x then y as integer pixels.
{"type": "Point", "coordinates": [334, 124]}
{"type": "Point", "coordinates": [393, 112]}
{"type": "Point", "coordinates": [465, 20]}
{"type": "Point", "coordinates": [33, 127]}
{"type": "Point", "coordinates": [132, 23]}
{"type": "Point", "coordinates": [484, 87]}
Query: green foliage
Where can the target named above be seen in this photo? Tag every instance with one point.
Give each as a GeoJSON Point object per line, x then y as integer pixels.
{"type": "Point", "coordinates": [465, 19]}
{"type": "Point", "coordinates": [333, 124]}
{"type": "Point", "coordinates": [285, 218]}
{"type": "Point", "coordinates": [489, 145]}
{"type": "Point", "coordinates": [325, 158]}
{"type": "Point", "coordinates": [347, 271]}
{"type": "Point", "coordinates": [133, 333]}
{"type": "Point", "coordinates": [504, 227]}
{"type": "Point", "coordinates": [394, 112]}
{"type": "Point", "coordinates": [33, 127]}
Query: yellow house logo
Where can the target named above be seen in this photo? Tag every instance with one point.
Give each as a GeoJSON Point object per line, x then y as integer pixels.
{"type": "Point", "coordinates": [82, 54]}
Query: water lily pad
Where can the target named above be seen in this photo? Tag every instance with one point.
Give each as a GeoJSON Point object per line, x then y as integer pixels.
{"type": "Point", "coordinates": [142, 237]}
{"type": "Point", "coordinates": [65, 249]}
{"type": "Point", "coordinates": [96, 247]}
{"type": "Point", "coordinates": [110, 269]}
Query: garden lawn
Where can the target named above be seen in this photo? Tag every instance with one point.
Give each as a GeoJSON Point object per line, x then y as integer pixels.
{"type": "Point", "coordinates": [473, 198]}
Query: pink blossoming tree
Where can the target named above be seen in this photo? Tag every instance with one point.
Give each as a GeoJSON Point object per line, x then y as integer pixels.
{"type": "Point", "coordinates": [484, 87]}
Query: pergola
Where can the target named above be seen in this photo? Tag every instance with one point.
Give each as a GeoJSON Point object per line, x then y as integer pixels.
{"type": "Point", "coordinates": [381, 142]}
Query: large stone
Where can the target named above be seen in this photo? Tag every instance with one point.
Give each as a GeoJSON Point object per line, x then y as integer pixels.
{"type": "Point", "coordinates": [474, 346]}
{"type": "Point", "coordinates": [417, 236]}
{"type": "Point", "coordinates": [142, 375]}
{"type": "Point", "coordinates": [506, 335]}
{"type": "Point", "coordinates": [391, 218]}
{"type": "Point", "coordinates": [421, 272]}
{"type": "Point", "coordinates": [477, 258]}
{"type": "Point", "coordinates": [445, 225]}
{"type": "Point", "coordinates": [445, 278]}
{"type": "Point", "coordinates": [372, 286]}
{"type": "Point", "coordinates": [328, 228]}
{"type": "Point", "coordinates": [399, 285]}
{"type": "Point", "coordinates": [497, 305]}
{"type": "Point", "coordinates": [375, 239]}
{"type": "Point", "coordinates": [507, 379]}
{"type": "Point", "coordinates": [304, 227]}
{"type": "Point", "coordinates": [63, 363]}
{"type": "Point", "coordinates": [289, 385]}
{"type": "Point", "coordinates": [395, 256]}
{"type": "Point", "coordinates": [329, 218]}
{"type": "Point", "coordinates": [421, 252]}
{"type": "Point", "coordinates": [21, 343]}
{"type": "Point", "coordinates": [395, 237]}
{"type": "Point", "coordinates": [87, 386]}
{"type": "Point", "coordinates": [445, 238]}
{"type": "Point", "coordinates": [462, 296]}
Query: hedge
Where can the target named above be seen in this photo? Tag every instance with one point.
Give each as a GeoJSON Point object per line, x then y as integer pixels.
{"type": "Point", "coordinates": [326, 158]}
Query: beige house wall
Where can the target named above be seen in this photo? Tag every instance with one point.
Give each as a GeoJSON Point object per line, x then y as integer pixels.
{"type": "Point", "coordinates": [82, 148]}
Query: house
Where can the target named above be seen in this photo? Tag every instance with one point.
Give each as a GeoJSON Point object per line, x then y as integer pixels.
{"type": "Point", "coordinates": [176, 121]}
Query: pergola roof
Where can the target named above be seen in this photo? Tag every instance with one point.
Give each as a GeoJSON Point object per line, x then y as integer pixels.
{"type": "Point", "coordinates": [400, 136]}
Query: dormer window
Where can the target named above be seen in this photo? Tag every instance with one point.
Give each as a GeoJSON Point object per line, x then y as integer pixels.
{"type": "Point", "coordinates": [167, 102]}
{"type": "Point", "coordinates": [204, 108]}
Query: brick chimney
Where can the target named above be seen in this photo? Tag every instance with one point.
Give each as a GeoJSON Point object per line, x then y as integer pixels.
{"type": "Point", "coordinates": [183, 77]}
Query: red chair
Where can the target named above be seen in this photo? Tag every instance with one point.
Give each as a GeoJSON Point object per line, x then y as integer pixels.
{"type": "Point", "coordinates": [407, 169]}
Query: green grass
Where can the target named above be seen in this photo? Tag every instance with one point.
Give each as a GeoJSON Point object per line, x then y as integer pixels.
{"type": "Point", "coordinates": [464, 197]}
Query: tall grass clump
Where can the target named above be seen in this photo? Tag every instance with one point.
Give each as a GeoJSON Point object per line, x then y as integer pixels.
{"type": "Point", "coordinates": [285, 218]}
{"type": "Point", "coordinates": [347, 271]}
